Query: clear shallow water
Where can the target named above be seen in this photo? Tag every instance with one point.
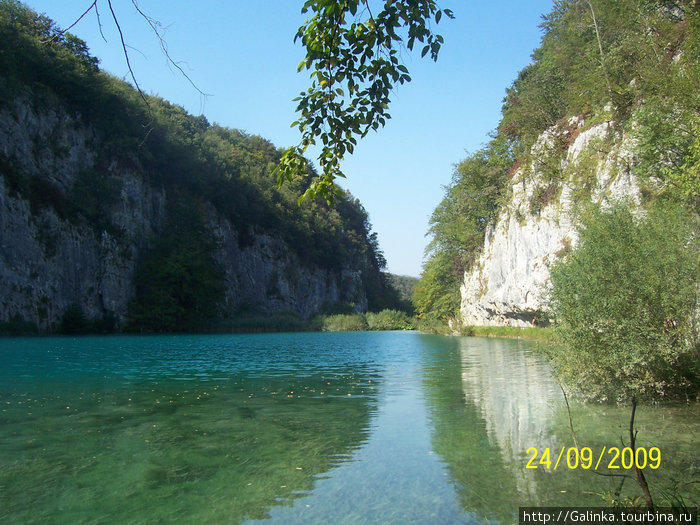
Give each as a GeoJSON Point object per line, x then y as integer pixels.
{"type": "Point", "coordinates": [386, 427]}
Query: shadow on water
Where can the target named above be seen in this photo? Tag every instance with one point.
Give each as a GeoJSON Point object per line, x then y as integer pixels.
{"type": "Point", "coordinates": [490, 400]}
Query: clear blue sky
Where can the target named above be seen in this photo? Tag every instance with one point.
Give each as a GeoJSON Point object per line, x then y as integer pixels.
{"type": "Point", "coordinates": [242, 54]}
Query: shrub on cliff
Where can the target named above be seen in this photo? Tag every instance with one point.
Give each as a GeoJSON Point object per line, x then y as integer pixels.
{"type": "Point", "coordinates": [344, 323]}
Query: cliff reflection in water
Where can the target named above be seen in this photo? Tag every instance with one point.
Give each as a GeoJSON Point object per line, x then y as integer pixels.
{"type": "Point", "coordinates": [490, 400]}
{"type": "Point", "coordinates": [483, 482]}
{"type": "Point", "coordinates": [516, 396]}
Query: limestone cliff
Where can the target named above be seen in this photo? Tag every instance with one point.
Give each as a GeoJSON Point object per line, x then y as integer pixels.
{"type": "Point", "coordinates": [51, 258]}
{"type": "Point", "coordinates": [571, 164]}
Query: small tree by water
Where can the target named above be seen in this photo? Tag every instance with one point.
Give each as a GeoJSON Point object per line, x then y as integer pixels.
{"type": "Point", "coordinates": [626, 302]}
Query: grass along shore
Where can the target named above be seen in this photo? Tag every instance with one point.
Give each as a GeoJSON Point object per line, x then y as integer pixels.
{"type": "Point", "coordinates": [288, 321]}
{"type": "Point", "coordinates": [533, 333]}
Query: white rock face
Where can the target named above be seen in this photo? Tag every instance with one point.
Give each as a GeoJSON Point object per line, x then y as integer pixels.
{"type": "Point", "coordinates": [509, 282]}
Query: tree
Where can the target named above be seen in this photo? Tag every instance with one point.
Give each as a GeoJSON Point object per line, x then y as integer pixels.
{"type": "Point", "coordinates": [179, 284]}
{"type": "Point", "coordinates": [458, 226]}
{"type": "Point", "coordinates": [625, 303]}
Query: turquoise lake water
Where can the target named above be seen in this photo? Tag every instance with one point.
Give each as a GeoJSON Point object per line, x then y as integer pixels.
{"type": "Point", "coordinates": [382, 427]}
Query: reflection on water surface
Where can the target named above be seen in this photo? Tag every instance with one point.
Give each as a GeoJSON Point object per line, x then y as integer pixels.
{"type": "Point", "coordinates": [493, 399]}
{"type": "Point", "coordinates": [297, 428]}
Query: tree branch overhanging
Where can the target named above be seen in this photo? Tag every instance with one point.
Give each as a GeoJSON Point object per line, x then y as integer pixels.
{"type": "Point", "coordinates": [354, 62]}
{"type": "Point", "coordinates": [155, 27]}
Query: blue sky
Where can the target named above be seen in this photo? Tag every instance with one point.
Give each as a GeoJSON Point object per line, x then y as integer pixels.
{"type": "Point", "coordinates": [242, 54]}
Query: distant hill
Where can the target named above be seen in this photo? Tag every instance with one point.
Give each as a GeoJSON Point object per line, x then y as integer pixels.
{"type": "Point", "coordinates": [404, 285]}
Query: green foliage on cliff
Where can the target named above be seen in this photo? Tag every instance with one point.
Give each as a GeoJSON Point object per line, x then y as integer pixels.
{"type": "Point", "coordinates": [404, 284]}
{"type": "Point", "coordinates": [389, 320]}
{"type": "Point", "coordinates": [188, 157]}
{"type": "Point", "coordinates": [33, 49]}
{"type": "Point", "coordinates": [593, 53]}
{"type": "Point", "coordinates": [357, 322]}
{"type": "Point", "coordinates": [634, 62]}
{"type": "Point", "coordinates": [626, 302]}
{"type": "Point", "coordinates": [75, 322]}
{"type": "Point", "coordinates": [18, 326]}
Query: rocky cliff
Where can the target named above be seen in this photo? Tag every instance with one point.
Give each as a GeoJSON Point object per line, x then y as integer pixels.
{"type": "Point", "coordinates": [571, 164]}
{"type": "Point", "coordinates": [52, 161]}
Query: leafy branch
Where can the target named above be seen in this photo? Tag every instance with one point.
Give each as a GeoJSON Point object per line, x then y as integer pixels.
{"type": "Point", "coordinates": [354, 59]}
